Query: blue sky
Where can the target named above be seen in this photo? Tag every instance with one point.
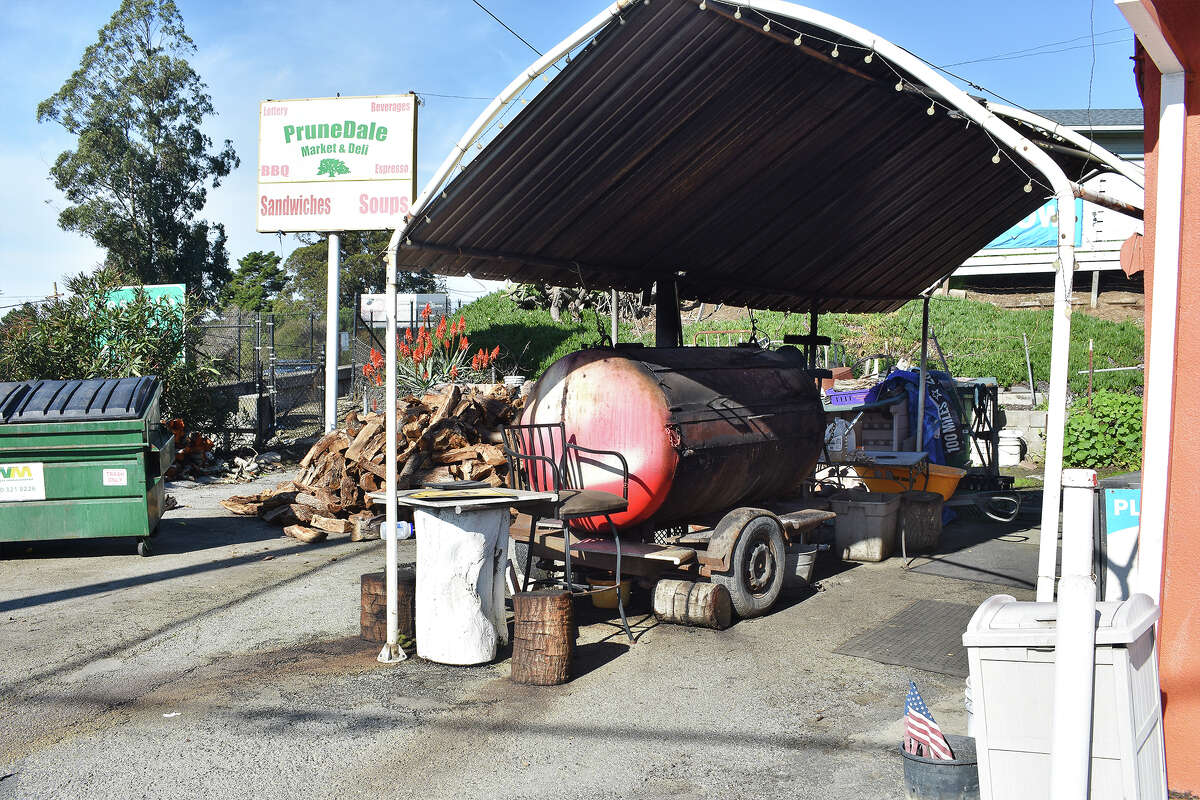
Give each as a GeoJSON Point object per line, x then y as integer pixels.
{"type": "Point", "coordinates": [251, 51]}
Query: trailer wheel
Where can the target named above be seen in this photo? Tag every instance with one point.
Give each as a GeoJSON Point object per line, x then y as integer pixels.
{"type": "Point", "coordinates": [755, 576]}
{"type": "Point", "coordinates": [143, 547]}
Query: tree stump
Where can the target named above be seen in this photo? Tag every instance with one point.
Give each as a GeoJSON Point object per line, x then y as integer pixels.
{"type": "Point", "coordinates": [706, 605]}
{"type": "Point", "coordinates": [543, 637]}
{"type": "Point", "coordinates": [373, 617]}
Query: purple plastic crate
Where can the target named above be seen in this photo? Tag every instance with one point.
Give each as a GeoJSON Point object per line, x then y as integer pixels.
{"type": "Point", "coordinates": [836, 398]}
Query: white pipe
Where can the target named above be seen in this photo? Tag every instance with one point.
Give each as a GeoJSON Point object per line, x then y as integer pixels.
{"type": "Point", "coordinates": [331, 332]}
{"type": "Point", "coordinates": [1164, 287]}
{"type": "Point", "coordinates": [999, 130]}
{"type": "Point", "coordinates": [1119, 165]}
{"type": "Point", "coordinates": [1056, 417]}
{"type": "Point", "coordinates": [1160, 361]}
{"type": "Point", "coordinates": [391, 652]}
{"type": "Point", "coordinates": [1074, 650]}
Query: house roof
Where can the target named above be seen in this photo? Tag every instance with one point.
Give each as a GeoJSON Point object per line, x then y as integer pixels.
{"type": "Point", "coordinates": [1097, 117]}
{"type": "Point", "coordinates": [761, 173]}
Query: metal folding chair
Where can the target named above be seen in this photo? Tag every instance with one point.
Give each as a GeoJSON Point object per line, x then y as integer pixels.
{"type": "Point", "coordinates": [541, 459]}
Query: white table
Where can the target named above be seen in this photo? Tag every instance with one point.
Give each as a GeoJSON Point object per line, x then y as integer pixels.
{"type": "Point", "coordinates": [462, 553]}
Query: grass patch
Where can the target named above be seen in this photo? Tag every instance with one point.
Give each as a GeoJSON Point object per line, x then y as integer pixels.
{"type": "Point", "coordinates": [979, 339]}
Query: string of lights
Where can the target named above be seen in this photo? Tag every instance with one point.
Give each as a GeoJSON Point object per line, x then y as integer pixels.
{"type": "Point", "coordinates": [833, 48]}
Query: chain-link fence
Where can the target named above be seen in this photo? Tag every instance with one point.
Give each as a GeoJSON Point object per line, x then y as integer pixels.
{"type": "Point", "coordinates": [271, 374]}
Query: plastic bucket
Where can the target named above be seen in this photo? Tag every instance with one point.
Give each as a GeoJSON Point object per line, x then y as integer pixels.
{"type": "Point", "coordinates": [607, 598]}
{"type": "Point", "coordinates": [931, 779]}
{"type": "Point", "coordinates": [799, 562]}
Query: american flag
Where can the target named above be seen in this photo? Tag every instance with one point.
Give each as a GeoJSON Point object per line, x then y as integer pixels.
{"type": "Point", "coordinates": [922, 736]}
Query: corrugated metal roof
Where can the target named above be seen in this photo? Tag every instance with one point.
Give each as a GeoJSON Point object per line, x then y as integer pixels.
{"type": "Point", "coordinates": [769, 175]}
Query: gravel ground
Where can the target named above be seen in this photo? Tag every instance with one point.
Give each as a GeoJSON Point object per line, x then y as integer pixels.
{"type": "Point", "coordinates": [227, 665]}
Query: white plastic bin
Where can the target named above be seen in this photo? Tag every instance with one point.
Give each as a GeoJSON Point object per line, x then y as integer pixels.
{"type": "Point", "coordinates": [1010, 648]}
{"type": "Point", "coordinates": [865, 528]}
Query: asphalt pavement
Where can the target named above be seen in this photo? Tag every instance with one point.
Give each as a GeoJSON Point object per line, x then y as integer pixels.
{"type": "Point", "coordinates": [227, 665]}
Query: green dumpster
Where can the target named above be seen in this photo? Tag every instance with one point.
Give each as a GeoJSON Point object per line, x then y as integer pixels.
{"type": "Point", "coordinates": [82, 459]}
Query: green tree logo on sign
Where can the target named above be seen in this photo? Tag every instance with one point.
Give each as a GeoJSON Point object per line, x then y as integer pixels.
{"type": "Point", "coordinates": [333, 167]}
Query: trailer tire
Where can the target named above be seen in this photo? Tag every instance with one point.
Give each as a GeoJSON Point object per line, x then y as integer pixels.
{"type": "Point", "coordinates": [755, 575]}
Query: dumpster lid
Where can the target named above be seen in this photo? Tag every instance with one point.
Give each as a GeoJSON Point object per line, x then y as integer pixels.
{"type": "Point", "coordinates": [11, 393]}
{"type": "Point", "coordinates": [80, 400]}
{"type": "Point", "coordinates": [1003, 621]}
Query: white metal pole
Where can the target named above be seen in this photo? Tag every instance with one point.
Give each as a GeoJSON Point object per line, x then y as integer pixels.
{"type": "Point", "coordinates": [920, 441]}
{"type": "Point", "coordinates": [1056, 415]}
{"type": "Point", "coordinates": [1074, 651]}
{"type": "Point", "coordinates": [1160, 360]}
{"type": "Point", "coordinates": [332, 351]}
{"type": "Point", "coordinates": [391, 652]}
{"type": "Point", "coordinates": [613, 298]}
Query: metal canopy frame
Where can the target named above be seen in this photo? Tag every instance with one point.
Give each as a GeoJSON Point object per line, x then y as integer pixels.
{"type": "Point", "coordinates": [762, 54]}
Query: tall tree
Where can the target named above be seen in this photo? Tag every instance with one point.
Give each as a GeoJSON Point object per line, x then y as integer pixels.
{"type": "Point", "coordinates": [257, 282]}
{"type": "Point", "coordinates": [364, 264]}
{"type": "Point", "coordinates": [140, 170]}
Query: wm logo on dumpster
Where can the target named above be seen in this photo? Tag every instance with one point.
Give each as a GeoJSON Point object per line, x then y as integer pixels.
{"type": "Point", "coordinates": [16, 472]}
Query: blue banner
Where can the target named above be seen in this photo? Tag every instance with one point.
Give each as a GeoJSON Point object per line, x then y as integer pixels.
{"type": "Point", "coordinates": [1037, 230]}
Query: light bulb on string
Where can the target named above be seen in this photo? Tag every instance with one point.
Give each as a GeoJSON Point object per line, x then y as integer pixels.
{"type": "Point", "coordinates": [703, 5]}
{"type": "Point", "coordinates": [1029, 186]}
{"type": "Point", "coordinates": [767, 26]}
{"type": "Point", "coordinates": [738, 14]}
{"type": "Point", "coordinates": [834, 53]}
{"type": "Point", "coordinates": [996, 158]}
{"type": "Point", "coordinates": [798, 40]}
{"type": "Point", "coordinates": [621, 20]}
{"type": "Point", "coordinates": [932, 108]}
{"type": "Point", "coordinates": [900, 85]}
{"type": "Point", "coordinates": [869, 57]}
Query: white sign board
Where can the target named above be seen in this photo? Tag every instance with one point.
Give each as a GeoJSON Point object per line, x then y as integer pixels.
{"type": "Point", "coordinates": [408, 307]}
{"type": "Point", "coordinates": [22, 482]}
{"type": "Point", "coordinates": [336, 163]}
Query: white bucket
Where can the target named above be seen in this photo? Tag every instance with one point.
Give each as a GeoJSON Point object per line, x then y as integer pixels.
{"type": "Point", "coordinates": [1011, 445]}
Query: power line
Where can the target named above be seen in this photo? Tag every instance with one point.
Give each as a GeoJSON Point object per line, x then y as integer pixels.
{"type": "Point", "coordinates": [451, 96]}
{"type": "Point", "coordinates": [510, 30]}
{"type": "Point", "coordinates": [1039, 53]}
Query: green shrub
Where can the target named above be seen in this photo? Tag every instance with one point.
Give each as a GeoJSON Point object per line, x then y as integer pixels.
{"type": "Point", "coordinates": [1109, 435]}
{"type": "Point", "coordinates": [82, 335]}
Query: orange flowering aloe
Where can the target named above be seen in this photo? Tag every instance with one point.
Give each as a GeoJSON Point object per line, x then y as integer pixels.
{"type": "Point", "coordinates": [429, 355]}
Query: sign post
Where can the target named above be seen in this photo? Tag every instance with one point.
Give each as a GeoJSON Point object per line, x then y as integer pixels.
{"type": "Point", "coordinates": [330, 165]}
{"type": "Point", "coordinates": [332, 351]}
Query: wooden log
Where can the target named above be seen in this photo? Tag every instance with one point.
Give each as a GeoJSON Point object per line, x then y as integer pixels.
{"type": "Point", "coordinates": [363, 440]}
{"type": "Point", "coordinates": [304, 534]}
{"type": "Point", "coordinates": [373, 616]}
{"type": "Point", "coordinates": [699, 604]}
{"type": "Point", "coordinates": [367, 528]}
{"type": "Point", "coordinates": [301, 513]}
{"type": "Point", "coordinates": [543, 637]}
{"type": "Point", "coordinates": [331, 524]}
{"type": "Point", "coordinates": [244, 506]}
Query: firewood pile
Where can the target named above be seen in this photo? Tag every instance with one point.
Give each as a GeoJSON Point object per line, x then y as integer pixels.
{"type": "Point", "coordinates": [446, 436]}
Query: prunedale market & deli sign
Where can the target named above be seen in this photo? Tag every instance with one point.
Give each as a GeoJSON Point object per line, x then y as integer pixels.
{"type": "Point", "coordinates": [336, 163]}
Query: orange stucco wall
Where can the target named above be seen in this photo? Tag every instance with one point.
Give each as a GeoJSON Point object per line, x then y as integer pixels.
{"type": "Point", "coordinates": [1179, 643]}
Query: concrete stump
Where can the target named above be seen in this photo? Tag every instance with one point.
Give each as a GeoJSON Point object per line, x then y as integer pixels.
{"type": "Point", "coordinates": [461, 558]}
